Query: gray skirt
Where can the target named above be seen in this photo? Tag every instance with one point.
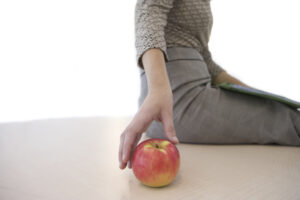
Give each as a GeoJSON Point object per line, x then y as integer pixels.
{"type": "Point", "coordinates": [205, 114]}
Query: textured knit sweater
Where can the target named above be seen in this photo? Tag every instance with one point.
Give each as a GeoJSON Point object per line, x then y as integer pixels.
{"type": "Point", "coordinates": [170, 23]}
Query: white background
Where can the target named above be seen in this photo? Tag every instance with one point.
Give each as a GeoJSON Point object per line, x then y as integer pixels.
{"type": "Point", "coordinates": [64, 58]}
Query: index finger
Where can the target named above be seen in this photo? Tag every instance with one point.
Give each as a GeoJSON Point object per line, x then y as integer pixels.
{"type": "Point", "coordinates": [133, 133]}
{"type": "Point", "coordinates": [120, 149]}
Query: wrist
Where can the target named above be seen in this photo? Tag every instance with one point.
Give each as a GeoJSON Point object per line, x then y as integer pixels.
{"type": "Point", "coordinates": [159, 82]}
{"type": "Point", "coordinates": [160, 89]}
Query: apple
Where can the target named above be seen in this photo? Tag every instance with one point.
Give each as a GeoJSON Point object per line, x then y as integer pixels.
{"type": "Point", "coordinates": [155, 162]}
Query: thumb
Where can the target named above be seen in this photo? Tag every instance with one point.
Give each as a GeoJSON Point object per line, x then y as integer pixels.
{"type": "Point", "coordinates": [168, 126]}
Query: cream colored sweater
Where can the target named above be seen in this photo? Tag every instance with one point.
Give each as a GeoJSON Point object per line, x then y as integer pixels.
{"type": "Point", "coordinates": [168, 23]}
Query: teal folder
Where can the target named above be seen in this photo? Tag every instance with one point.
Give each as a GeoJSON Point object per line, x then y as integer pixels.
{"type": "Point", "coordinates": [260, 93]}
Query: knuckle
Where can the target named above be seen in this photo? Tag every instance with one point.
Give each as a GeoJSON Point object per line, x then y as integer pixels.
{"type": "Point", "coordinates": [131, 131]}
{"type": "Point", "coordinates": [168, 112]}
{"type": "Point", "coordinates": [129, 126]}
{"type": "Point", "coordinates": [171, 127]}
{"type": "Point", "coordinates": [172, 130]}
{"type": "Point", "coordinates": [127, 132]}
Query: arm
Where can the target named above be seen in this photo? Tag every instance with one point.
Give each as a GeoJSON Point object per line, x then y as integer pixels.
{"type": "Point", "coordinates": [155, 69]}
{"type": "Point", "coordinates": [158, 105]}
{"type": "Point", "coordinates": [150, 21]}
{"type": "Point", "coordinates": [218, 74]}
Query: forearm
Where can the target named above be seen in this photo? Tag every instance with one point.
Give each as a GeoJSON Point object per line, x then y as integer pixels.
{"type": "Point", "coordinates": [225, 77]}
{"type": "Point", "coordinates": [155, 69]}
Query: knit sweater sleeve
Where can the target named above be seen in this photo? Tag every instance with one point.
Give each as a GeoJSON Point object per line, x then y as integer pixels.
{"type": "Point", "coordinates": [150, 21]}
{"type": "Point", "coordinates": [213, 68]}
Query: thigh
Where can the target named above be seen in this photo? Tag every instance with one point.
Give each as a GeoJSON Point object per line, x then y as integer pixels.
{"type": "Point", "coordinates": [215, 116]}
{"type": "Point", "coordinates": [224, 117]}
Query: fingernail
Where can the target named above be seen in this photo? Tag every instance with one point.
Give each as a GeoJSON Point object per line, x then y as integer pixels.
{"type": "Point", "coordinates": [175, 139]}
{"type": "Point", "coordinates": [123, 158]}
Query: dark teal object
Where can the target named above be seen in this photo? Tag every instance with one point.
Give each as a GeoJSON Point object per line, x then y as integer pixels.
{"type": "Point", "coordinates": [259, 93]}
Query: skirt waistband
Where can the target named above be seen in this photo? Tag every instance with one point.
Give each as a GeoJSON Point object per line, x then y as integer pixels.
{"type": "Point", "coordinates": [183, 53]}
{"type": "Point", "coordinates": [180, 53]}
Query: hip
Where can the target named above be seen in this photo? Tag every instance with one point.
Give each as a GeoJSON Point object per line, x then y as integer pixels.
{"type": "Point", "coordinates": [186, 70]}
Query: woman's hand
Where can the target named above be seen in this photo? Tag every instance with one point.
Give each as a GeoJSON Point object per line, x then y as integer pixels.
{"type": "Point", "coordinates": [158, 105]}
{"type": "Point", "coordinates": [225, 77]}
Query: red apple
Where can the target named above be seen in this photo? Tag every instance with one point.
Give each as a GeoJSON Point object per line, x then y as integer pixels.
{"type": "Point", "coordinates": [155, 162]}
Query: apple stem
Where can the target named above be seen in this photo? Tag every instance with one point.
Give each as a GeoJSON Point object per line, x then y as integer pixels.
{"type": "Point", "coordinates": [156, 145]}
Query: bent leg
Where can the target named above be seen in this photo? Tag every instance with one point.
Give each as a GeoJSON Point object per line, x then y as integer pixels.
{"type": "Point", "coordinates": [215, 116]}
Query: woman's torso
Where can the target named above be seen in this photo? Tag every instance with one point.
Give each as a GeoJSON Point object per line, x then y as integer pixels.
{"type": "Point", "coordinates": [189, 24]}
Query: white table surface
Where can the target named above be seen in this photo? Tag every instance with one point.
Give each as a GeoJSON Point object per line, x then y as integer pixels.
{"type": "Point", "coordinates": [77, 159]}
